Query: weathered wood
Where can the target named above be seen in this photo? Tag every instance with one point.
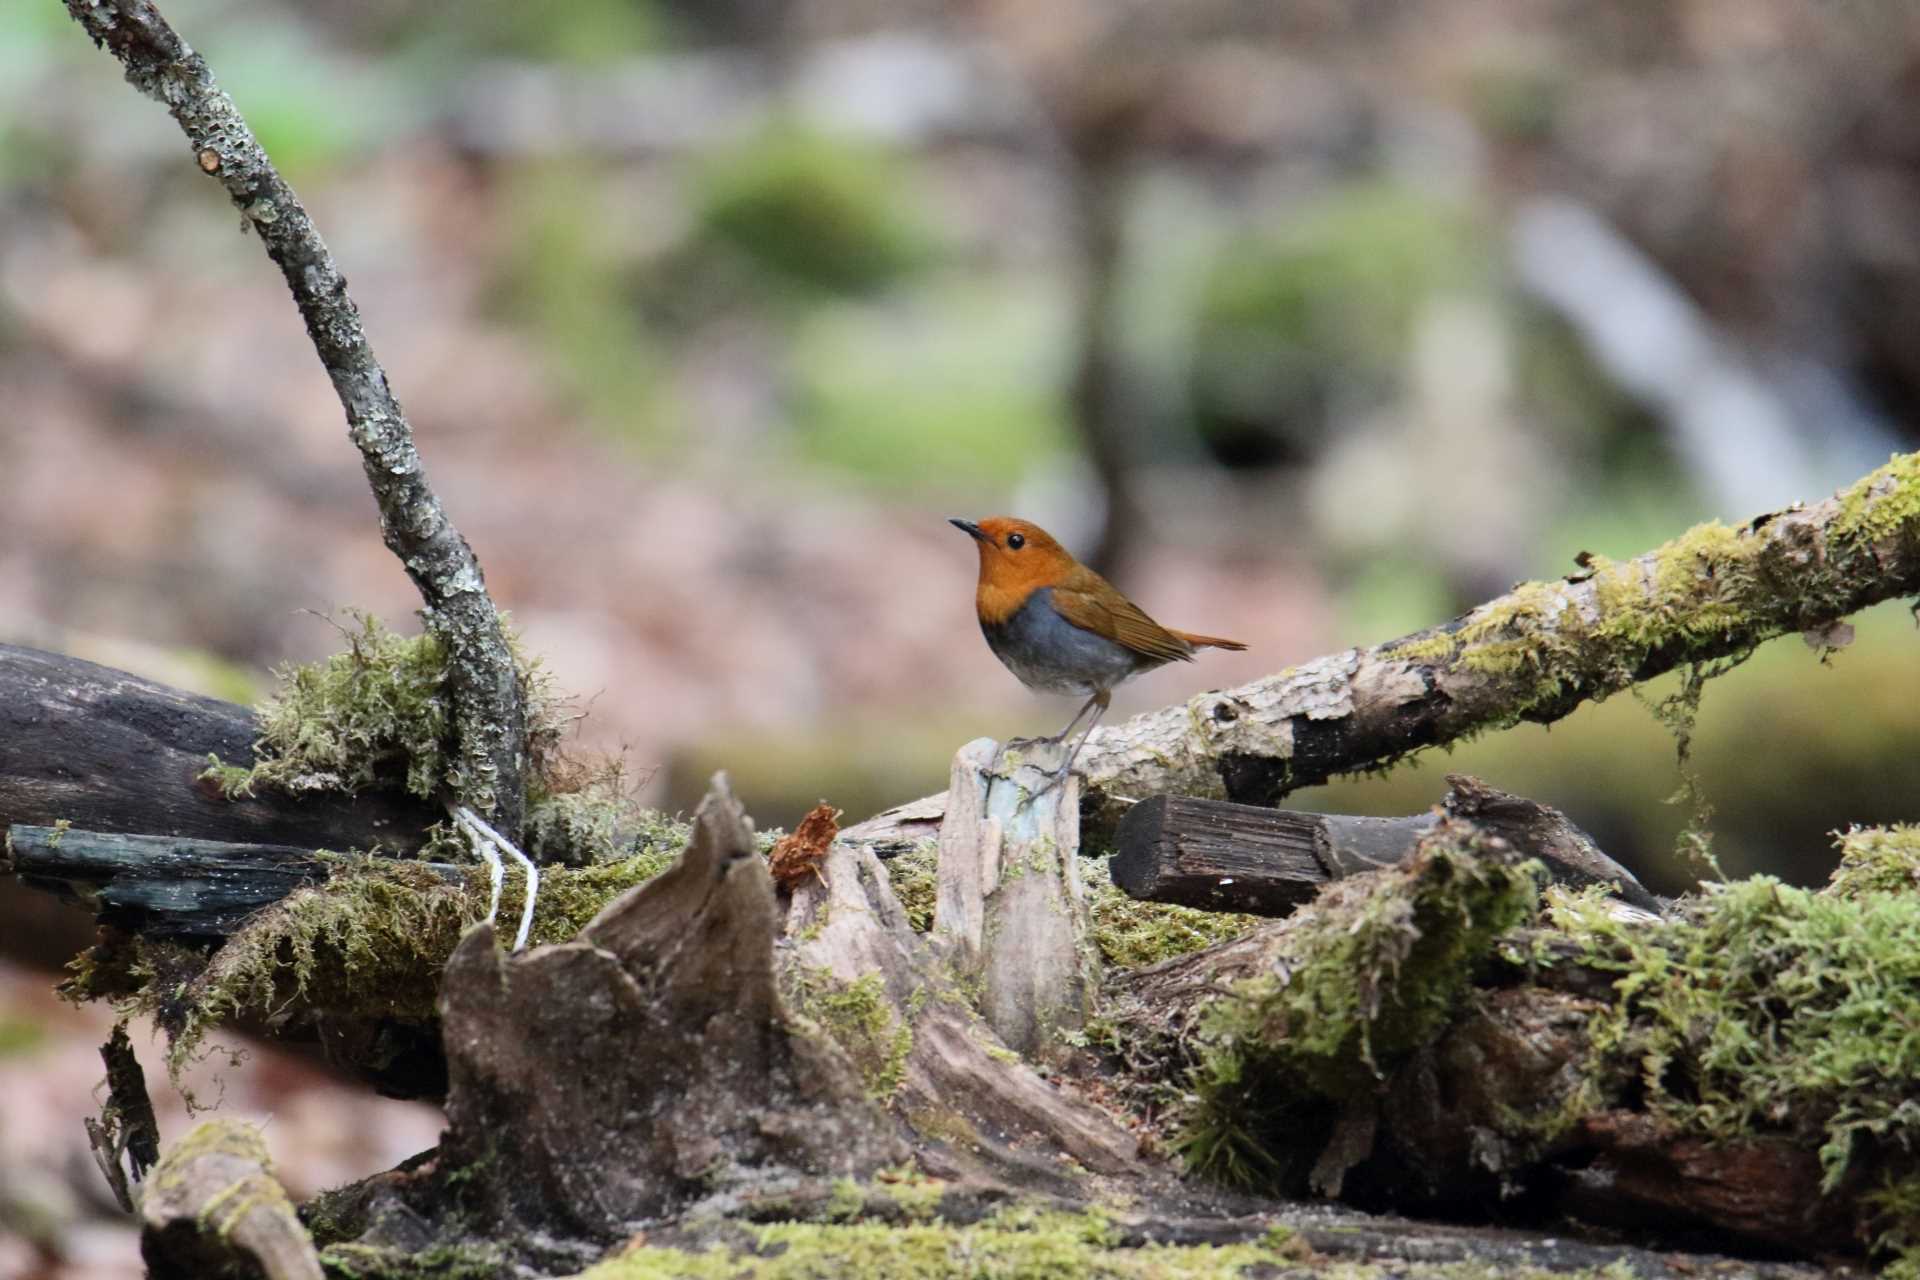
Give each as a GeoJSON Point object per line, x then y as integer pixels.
{"type": "Point", "coordinates": [109, 751]}
{"type": "Point", "coordinates": [601, 1084]}
{"type": "Point", "coordinates": [1010, 908]}
{"type": "Point", "coordinates": [213, 1208]}
{"type": "Point", "coordinates": [166, 886]}
{"type": "Point", "coordinates": [1236, 857]}
{"type": "Point", "coordinates": [1233, 857]}
{"type": "Point", "coordinates": [977, 1111]}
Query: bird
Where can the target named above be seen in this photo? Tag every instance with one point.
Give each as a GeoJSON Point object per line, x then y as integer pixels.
{"type": "Point", "coordinates": [1059, 627]}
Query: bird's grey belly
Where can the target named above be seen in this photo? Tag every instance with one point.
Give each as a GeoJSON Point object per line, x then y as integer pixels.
{"type": "Point", "coordinates": [1049, 653]}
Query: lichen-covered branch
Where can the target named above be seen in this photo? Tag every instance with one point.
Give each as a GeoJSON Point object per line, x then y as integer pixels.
{"type": "Point", "coordinates": [1533, 654]}
{"type": "Point", "coordinates": [489, 718]}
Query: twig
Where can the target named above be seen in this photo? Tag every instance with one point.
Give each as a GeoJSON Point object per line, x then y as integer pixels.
{"type": "Point", "coordinates": [489, 715]}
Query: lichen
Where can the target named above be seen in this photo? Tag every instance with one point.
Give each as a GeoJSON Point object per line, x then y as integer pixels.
{"type": "Point", "coordinates": [1372, 971]}
{"type": "Point", "coordinates": [1013, 1242]}
{"type": "Point", "coordinates": [861, 1021]}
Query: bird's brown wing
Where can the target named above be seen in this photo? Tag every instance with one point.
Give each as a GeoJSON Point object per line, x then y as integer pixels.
{"type": "Point", "coordinates": [1110, 614]}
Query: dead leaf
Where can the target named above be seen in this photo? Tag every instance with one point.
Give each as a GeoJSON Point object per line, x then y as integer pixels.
{"type": "Point", "coordinates": [800, 852]}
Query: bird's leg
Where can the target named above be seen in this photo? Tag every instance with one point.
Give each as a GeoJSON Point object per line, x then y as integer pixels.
{"type": "Point", "coordinates": [1055, 740]}
{"type": "Point", "coordinates": [1098, 703]}
{"type": "Point", "coordinates": [490, 844]}
{"type": "Point", "coordinates": [1097, 700]}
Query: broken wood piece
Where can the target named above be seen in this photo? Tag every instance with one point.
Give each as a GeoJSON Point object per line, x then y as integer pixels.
{"type": "Point", "coordinates": [167, 886]}
{"type": "Point", "coordinates": [213, 1208]}
{"type": "Point", "coordinates": [1009, 907]}
{"type": "Point", "coordinates": [108, 751]}
{"type": "Point", "coordinates": [1230, 857]}
{"type": "Point", "coordinates": [604, 1083]}
{"type": "Point", "coordinates": [976, 1109]}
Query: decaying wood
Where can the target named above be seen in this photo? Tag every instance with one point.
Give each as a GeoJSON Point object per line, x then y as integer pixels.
{"type": "Point", "coordinates": [1231, 857]}
{"type": "Point", "coordinates": [1235, 857]}
{"type": "Point", "coordinates": [108, 751]}
{"type": "Point", "coordinates": [977, 1110]}
{"type": "Point", "coordinates": [125, 1137]}
{"type": "Point", "coordinates": [213, 1208]}
{"type": "Point", "coordinates": [489, 711]}
{"type": "Point", "coordinates": [1010, 909]}
{"type": "Point", "coordinates": [600, 1084]}
{"type": "Point", "coordinates": [166, 886]}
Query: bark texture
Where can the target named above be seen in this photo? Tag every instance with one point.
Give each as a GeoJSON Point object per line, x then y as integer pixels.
{"type": "Point", "coordinates": [489, 712]}
{"type": "Point", "coordinates": [104, 750]}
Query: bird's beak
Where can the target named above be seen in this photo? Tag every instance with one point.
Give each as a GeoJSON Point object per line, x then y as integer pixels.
{"type": "Point", "coordinates": [969, 527]}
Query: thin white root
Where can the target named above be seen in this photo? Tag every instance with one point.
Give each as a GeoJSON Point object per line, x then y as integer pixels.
{"type": "Point", "coordinates": [490, 844]}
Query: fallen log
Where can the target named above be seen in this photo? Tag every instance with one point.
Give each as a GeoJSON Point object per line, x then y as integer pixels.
{"type": "Point", "coordinates": [104, 750]}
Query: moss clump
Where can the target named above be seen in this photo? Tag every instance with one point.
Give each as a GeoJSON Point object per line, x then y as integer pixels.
{"type": "Point", "coordinates": [1374, 969]}
{"type": "Point", "coordinates": [861, 1021]}
{"type": "Point", "coordinates": [1761, 1009]}
{"type": "Point", "coordinates": [1011, 1243]}
{"type": "Point", "coordinates": [377, 715]}
{"type": "Point", "coordinates": [1877, 860]}
{"type": "Point", "coordinates": [1128, 933]}
{"type": "Point", "coordinates": [370, 942]}
{"type": "Point", "coordinates": [914, 876]}
{"type": "Point", "coordinates": [1132, 934]}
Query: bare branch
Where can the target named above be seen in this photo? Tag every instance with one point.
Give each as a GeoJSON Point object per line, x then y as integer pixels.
{"type": "Point", "coordinates": [489, 714]}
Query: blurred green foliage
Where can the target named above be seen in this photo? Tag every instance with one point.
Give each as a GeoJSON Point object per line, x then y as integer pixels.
{"type": "Point", "coordinates": [817, 212]}
{"type": "Point", "coordinates": [957, 387]}
{"type": "Point", "coordinates": [1296, 323]}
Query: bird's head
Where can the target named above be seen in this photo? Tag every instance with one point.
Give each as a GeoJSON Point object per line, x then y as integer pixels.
{"type": "Point", "coordinates": [1017, 558]}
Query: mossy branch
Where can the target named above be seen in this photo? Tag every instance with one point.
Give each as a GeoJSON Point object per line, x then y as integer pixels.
{"type": "Point", "coordinates": [488, 712]}
{"type": "Point", "coordinates": [1534, 654]}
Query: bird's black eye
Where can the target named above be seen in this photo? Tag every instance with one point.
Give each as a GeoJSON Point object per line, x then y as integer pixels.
{"type": "Point", "coordinates": [1015, 541]}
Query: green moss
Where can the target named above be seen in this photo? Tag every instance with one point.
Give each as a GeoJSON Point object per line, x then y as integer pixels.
{"type": "Point", "coordinates": [374, 716]}
{"type": "Point", "coordinates": [1023, 1243]}
{"type": "Point", "coordinates": [1129, 934]}
{"type": "Point", "coordinates": [915, 879]}
{"type": "Point", "coordinates": [1372, 971]}
{"type": "Point", "coordinates": [1433, 647]}
{"type": "Point", "coordinates": [371, 941]}
{"type": "Point", "coordinates": [861, 1021]}
{"type": "Point", "coordinates": [1882, 505]}
{"type": "Point", "coordinates": [1877, 860]}
{"type": "Point", "coordinates": [436, 1262]}
{"type": "Point", "coordinates": [1132, 934]}
{"type": "Point", "coordinates": [1763, 1010]}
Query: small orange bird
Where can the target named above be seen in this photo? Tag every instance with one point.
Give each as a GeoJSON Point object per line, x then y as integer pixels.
{"type": "Point", "coordinates": [1062, 628]}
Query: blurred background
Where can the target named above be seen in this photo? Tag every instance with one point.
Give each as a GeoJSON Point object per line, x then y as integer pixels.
{"type": "Point", "coordinates": [1307, 324]}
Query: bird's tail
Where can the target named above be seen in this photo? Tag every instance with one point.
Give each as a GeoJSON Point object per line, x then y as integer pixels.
{"type": "Point", "coordinates": [1208, 642]}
